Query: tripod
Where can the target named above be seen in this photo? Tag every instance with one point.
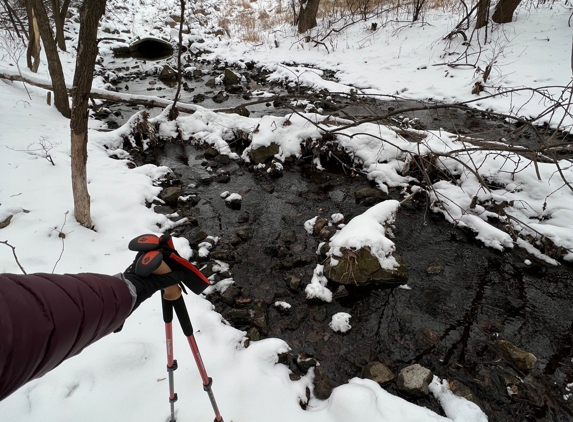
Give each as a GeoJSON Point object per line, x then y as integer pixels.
{"type": "Point", "coordinates": [173, 299]}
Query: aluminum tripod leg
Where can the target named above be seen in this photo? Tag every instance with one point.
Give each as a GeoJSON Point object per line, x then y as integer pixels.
{"type": "Point", "coordinates": [171, 363]}
{"type": "Point", "coordinates": [185, 321]}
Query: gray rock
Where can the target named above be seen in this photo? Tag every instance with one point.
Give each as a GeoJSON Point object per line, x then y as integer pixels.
{"type": "Point", "coordinates": [244, 234]}
{"type": "Point", "coordinates": [167, 73]}
{"type": "Point", "coordinates": [288, 236]}
{"type": "Point", "coordinates": [239, 316]}
{"type": "Point", "coordinates": [253, 334]}
{"type": "Point", "coordinates": [462, 390]}
{"type": "Point", "coordinates": [369, 196]}
{"type": "Point", "coordinates": [341, 292]}
{"type": "Point", "coordinates": [211, 153]}
{"type": "Point", "coordinates": [231, 78]}
{"type": "Point", "coordinates": [199, 98]}
{"type": "Point", "coordinates": [519, 358]}
{"type": "Point", "coordinates": [327, 232]}
{"type": "Point", "coordinates": [377, 371]}
{"type": "Point", "coordinates": [220, 97]}
{"type": "Point", "coordinates": [229, 295]}
{"type": "Point", "coordinates": [223, 177]}
{"type": "Point", "coordinates": [262, 154]}
{"type": "Point", "coordinates": [361, 267]}
{"type": "Point", "coordinates": [304, 363]}
{"type": "Point", "coordinates": [292, 281]}
{"type": "Point", "coordinates": [222, 255]}
{"type": "Point", "coordinates": [170, 195]}
{"type": "Point", "coordinates": [234, 203]}
{"type": "Point", "coordinates": [436, 266]}
{"type": "Point", "coordinates": [319, 224]}
{"type": "Point", "coordinates": [323, 385]}
{"type": "Point", "coordinates": [244, 217]}
{"type": "Point", "coordinates": [414, 380]}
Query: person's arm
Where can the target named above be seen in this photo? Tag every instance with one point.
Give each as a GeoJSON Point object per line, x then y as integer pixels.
{"type": "Point", "coordinates": [47, 318]}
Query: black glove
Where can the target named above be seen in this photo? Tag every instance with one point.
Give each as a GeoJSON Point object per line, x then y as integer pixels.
{"type": "Point", "coordinates": [153, 250]}
{"type": "Point", "coordinates": [145, 287]}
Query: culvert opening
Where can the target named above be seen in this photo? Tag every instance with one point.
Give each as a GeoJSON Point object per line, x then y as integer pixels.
{"type": "Point", "coordinates": [151, 48]}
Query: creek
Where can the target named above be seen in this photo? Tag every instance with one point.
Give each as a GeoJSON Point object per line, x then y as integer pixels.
{"type": "Point", "coordinates": [461, 297]}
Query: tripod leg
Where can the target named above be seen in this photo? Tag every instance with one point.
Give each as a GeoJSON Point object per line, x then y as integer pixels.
{"type": "Point", "coordinates": [171, 363]}
{"type": "Point", "coordinates": [183, 316]}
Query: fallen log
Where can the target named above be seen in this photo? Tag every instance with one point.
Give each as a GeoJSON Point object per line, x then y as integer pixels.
{"type": "Point", "coordinates": [102, 94]}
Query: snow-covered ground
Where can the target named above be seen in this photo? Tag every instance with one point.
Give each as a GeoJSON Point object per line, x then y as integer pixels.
{"type": "Point", "coordinates": [123, 376]}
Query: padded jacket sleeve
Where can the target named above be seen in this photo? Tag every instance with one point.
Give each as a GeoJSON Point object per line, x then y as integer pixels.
{"type": "Point", "coordinates": [47, 318]}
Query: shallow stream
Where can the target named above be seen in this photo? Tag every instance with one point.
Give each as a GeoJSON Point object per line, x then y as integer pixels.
{"type": "Point", "coordinates": [449, 318]}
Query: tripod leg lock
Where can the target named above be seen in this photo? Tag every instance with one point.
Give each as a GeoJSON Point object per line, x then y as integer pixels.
{"type": "Point", "coordinates": [174, 399]}
{"type": "Point", "coordinates": [207, 387]}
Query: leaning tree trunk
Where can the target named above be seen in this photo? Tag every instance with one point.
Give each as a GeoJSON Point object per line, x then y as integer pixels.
{"type": "Point", "coordinates": [482, 13]}
{"type": "Point", "coordinates": [34, 46]}
{"type": "Point", "coordinates": [504, 11]}
{"type": "Point", "coordinates": [307, 15]}
{"type": "Point", "coordinates": [90, 14]}
{"type": "Point", "coordinates": [54, 64]}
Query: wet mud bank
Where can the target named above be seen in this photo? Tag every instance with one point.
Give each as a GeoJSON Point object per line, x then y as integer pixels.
{"type": "Point", "coordinates": [464, 303]}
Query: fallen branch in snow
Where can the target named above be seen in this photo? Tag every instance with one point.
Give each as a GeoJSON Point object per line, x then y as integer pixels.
{"type": "Point", "coordinates": [5, 242]}
{"type": "Point", "coordinates": [100, 94]}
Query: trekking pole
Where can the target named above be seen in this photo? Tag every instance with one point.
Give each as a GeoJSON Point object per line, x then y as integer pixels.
{"type": "Point", "coordinates": [178, 304]}
{"type": "Point", "coordinates": [171, 363]}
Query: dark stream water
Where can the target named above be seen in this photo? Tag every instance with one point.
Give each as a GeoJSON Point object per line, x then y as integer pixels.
{"type": "Point", "coordinates": [448, 321]}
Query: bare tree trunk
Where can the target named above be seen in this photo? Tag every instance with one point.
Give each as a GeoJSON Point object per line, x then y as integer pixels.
{"type": "Point", "coordinates": [174, 112]}
{"type": "Point", "coordinates": [504, 11]}
{"type": "Point", "coordinates": [307, 15]}
{"type": "Point", "coordinates": [14, 19]}
{"type": "Point", "coordinates": [90, 14]}
{"type": "Point", "coordinates": [418, 6]}
{"type": "Point", "coordinates": [54, 63]}
{"type": "Point", "coordinates": [482, 13]}
{"type": "Point", "coordinates": [34, 46]}
{"type": "Point", "coordinates": [60, 10]}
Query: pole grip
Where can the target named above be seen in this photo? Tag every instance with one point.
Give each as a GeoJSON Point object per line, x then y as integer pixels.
{"type": "Point", "coordinates": [183, 316]}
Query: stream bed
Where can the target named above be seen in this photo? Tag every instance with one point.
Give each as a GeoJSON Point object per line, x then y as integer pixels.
{"type": "Point", "coordinates": [461, 297]}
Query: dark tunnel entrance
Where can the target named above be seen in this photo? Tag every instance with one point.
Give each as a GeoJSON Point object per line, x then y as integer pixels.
{"type": "Point", "coordinates": [151, 49]}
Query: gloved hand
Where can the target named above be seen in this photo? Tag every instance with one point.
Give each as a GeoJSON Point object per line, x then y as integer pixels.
{"type": "Point", "coordinates": [146, 286]}
{"type": "Point", "coordinates": [154, 250]}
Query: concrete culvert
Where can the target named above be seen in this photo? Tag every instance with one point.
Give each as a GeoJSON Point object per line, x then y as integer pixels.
{"type": "Point", "coordinates": [151, 48]}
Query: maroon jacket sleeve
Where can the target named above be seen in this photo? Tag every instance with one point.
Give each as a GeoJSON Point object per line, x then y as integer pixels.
{"type": "Point", "coordinates": [47, 318]}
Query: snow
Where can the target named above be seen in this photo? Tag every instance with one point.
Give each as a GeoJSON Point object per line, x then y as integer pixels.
{"type": "Point", "coordinates": [368, 230]}
{"type": "Point", "coordinates": [411, 61]}
{"type": "Point", "coordinates": [317, 289]}
{"type": "Point", "coordinates": [340, 322]}
{"type": "Point", "coordinates": [456, 408]}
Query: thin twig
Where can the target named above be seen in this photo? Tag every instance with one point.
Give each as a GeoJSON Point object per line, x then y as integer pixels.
{"type": "Point", "coordinates": [5, 242]}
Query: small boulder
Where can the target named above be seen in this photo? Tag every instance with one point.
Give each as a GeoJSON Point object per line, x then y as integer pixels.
{"type": "Point", "coordinates": [171, 194]}
{"type": "Point", "coordinates": [323, 385]}
{"type": "Point", "coordinates": [361, 268]}
{"type": "Point", "coordinates": [369, 196]}
{"type": "Point", "coordinates": [263, 153]}
{"type": "Point", "coordinates": [231, 78]}
{"type": "Point", "coordinates": [378, 372]}
{"type": "Point", "coordinates": [414, 380]}
{"type": "Point", "coordinates": [519, 358]}
{"type": "Point", "coordinates": [436, 266]}
{"type": "Point", "coordinates": [168, 73]}
{"type": "Point", "coordinates": [220, 97]}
